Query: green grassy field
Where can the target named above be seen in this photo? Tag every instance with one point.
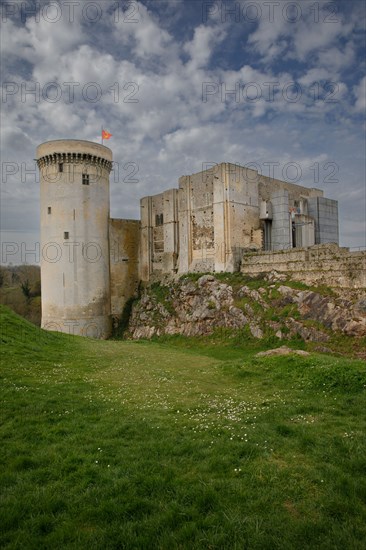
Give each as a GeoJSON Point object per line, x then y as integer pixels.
{"type": "Point", "coordinates": [112, 445]}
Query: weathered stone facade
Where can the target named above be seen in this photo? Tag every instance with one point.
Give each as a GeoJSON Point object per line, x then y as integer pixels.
{"type": "Point", "coordinates": [75, 271]}
{"type": "Point", "coordinates": [219, 214]}
{"type": "Point", "coordinates": [210, 223]}
{"type": "Point", "coordinates": [320, 264]}
{"type": "Point", "coordinates": [124, 249]}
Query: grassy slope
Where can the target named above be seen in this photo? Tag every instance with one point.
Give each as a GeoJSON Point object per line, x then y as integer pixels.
{"type": "Point", "coordinates": [144, 445]}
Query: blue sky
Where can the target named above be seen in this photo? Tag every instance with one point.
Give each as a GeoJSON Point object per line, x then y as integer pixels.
{"type": "Point", "coordinates": [276, 85]}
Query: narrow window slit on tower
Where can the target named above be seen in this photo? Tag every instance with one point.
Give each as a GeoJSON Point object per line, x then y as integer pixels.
{"type": "Point", "coordinates": [66, 235]}
{"type": "Point", "coordinates": [159, 219]}
{"type": "Point", "coordinates": [49, 210]}
{"type": "Point", "coordinates": [61, 167]}
{"type": "Point", "coordinates": [85, 179]}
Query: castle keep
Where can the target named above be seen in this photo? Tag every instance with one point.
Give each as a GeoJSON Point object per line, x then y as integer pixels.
{"type": "Point", "coordinates": [92, 264]}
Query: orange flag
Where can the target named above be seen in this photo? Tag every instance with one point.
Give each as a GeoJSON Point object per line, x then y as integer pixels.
{"type": "Point", "coordinates": [106, 135]}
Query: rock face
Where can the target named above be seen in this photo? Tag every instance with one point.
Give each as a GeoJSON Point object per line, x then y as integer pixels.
{"type": "Point", "coordinates": [337, 314]}
{"type": "Point", "coordinates": [195, 308]}
{"type": "Point", "coordinates": [198, 308]}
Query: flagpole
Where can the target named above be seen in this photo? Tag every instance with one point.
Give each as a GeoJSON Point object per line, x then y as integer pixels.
{"type": "Point", "coordinates": [102, 135]}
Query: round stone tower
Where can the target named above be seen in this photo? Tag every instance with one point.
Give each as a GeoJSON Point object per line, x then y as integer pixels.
{"type": "Point", "coordinates": [75, 274]}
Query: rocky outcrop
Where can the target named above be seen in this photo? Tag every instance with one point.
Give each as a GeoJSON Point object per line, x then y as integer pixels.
{"type": "Point", "coordinates": [337, 314]}
{"type": "Point", "coordinates": [199, 308]}
{"type": "Point", "coordinates": [283, 350]}
{"type": "Point", "coordinates": [195, 308]}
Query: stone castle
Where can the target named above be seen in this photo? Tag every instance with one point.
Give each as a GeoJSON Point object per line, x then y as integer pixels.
{"type": "Point", "coordinates": [214, 221]}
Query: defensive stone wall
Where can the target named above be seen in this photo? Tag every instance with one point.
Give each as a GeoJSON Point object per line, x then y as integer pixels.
{"type": "Point", "coordinates": [124, 236]}
{"type": "Point", "coordinates": [325, 264]}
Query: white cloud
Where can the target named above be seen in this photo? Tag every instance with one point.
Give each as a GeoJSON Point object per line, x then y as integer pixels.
{"type": "Point", "coordinates": [310, 36]}
{"type": "Point", "coordinates": [316, 74]}
{"type": "Point", "coordinates": [309, 33]}
{"type": "Point", "coordinates": [360, 94]}
{"type": "Point", "coordinates": [145, 37]}
{"type": "Point", "coordinates": [202, 45]}
{"type": "Point", "coordinates": [270, 38]}
{"type": "Point", "coordinates": [337, 58]}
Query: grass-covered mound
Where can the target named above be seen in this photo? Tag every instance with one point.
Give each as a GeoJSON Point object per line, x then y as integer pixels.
{"type": "Point", "coordinates": [114, 444]}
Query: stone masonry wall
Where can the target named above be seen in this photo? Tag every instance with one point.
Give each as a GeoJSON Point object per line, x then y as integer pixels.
{"type": "Point", "coordinates": [124, 238]}
{"type": "Point", "coordinates": [321, 264]}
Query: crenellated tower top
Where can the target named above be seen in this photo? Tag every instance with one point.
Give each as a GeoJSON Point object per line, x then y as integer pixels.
{"type": "Point", "coordinates": [74, 151]}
